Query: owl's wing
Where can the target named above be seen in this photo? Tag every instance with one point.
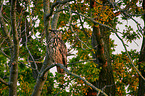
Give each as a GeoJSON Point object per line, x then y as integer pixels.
{"type": "Point", "coordinates": [61, 55]}
{"type": "Point", "coordinates": [63, 51]}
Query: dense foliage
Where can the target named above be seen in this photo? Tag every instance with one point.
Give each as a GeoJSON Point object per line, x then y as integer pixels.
{"type": "Point", "coordinates": [76, 22]}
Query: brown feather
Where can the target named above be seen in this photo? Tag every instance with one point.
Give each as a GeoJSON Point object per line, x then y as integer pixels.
{"type": "Point", "coordinates": [60, 53]}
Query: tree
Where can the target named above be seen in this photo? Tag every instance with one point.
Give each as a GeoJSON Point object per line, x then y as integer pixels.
{"type": "Point", "coordinates": [33, 37]}
{"type": "Point", "coordinates": [141, 92]}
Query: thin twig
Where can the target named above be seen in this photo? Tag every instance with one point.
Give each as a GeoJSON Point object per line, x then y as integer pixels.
{"type": "Point", "coordinates": [2, 42]}
{"type": "Point", "coordinates": [84, 43]}
{"type": "Point", "coordinates": [83, 29]}
{"type": "Point", "coordinates": [63, 87]}
{"type": "Point", "coordinates": [127, 15]}
{"type": "Point", "coordinates": [5, 54]}
{"type": "Point", "coordinates": [1, 5]}
{"type": "Point", "coordinates": [70, 20]}
{"type": "Point", "coordinates": [36, 68]}
{"type": "Point", "coordinates": [27, 65]}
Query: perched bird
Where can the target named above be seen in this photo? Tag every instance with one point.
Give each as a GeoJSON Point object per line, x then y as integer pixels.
{"type": "Point", "coordinates": [60, 52]}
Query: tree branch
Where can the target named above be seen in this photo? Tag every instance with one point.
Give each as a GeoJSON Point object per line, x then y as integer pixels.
{"type": "Point", "coordinates": [127, 15]}
{"type": "Point", "coordinates": [83, 29]}
{"type": "Point", "coordinates": [83, 43]}
{"type": "Point", "coordinates": [89, 18]}
{"type": "Point", "coordinates": [4, 82]}
{"type": "Point", "coordinates": [55, 4]}
{"type": "Point", "coordinates": [63, 87]}
{"type": "Point", "coordinates": [73, 74]}
{"type": "Point", "coordinates": [5, 31]}
{"type": "Point", "coordinates": [114, 31]}
{"type": "Point", "coordinates": [71, 28]}
{"type": "Point", "coordinates": [5, 54]}
{"type": "Point", "coordinates": [36, 68]}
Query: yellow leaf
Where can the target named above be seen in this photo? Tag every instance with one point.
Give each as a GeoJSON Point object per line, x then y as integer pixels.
{"type": "Point", "coordinates": [94, 65]}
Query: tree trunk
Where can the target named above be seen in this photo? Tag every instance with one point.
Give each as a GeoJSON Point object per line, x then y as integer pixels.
{"type": "Point", "coordinates": [141, 91]}
{"type": "Point", "coordinates": [100, 41]}
{"type": "Point", "coordinates": [14, 62]}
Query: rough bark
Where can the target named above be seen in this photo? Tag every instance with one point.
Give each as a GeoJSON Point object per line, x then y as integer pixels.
{"type": "Point", "coordinates": [14, 63]}
{"type": "Point", "coordinates": [141, 91]}
{"type": "Point", "coordinates": [100, 43]}
{"type": "Point", "coordinates": [106, 79]}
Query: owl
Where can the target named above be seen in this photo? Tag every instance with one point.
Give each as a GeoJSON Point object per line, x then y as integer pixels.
{"type": "Point", "coordinates": [60, 52]}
